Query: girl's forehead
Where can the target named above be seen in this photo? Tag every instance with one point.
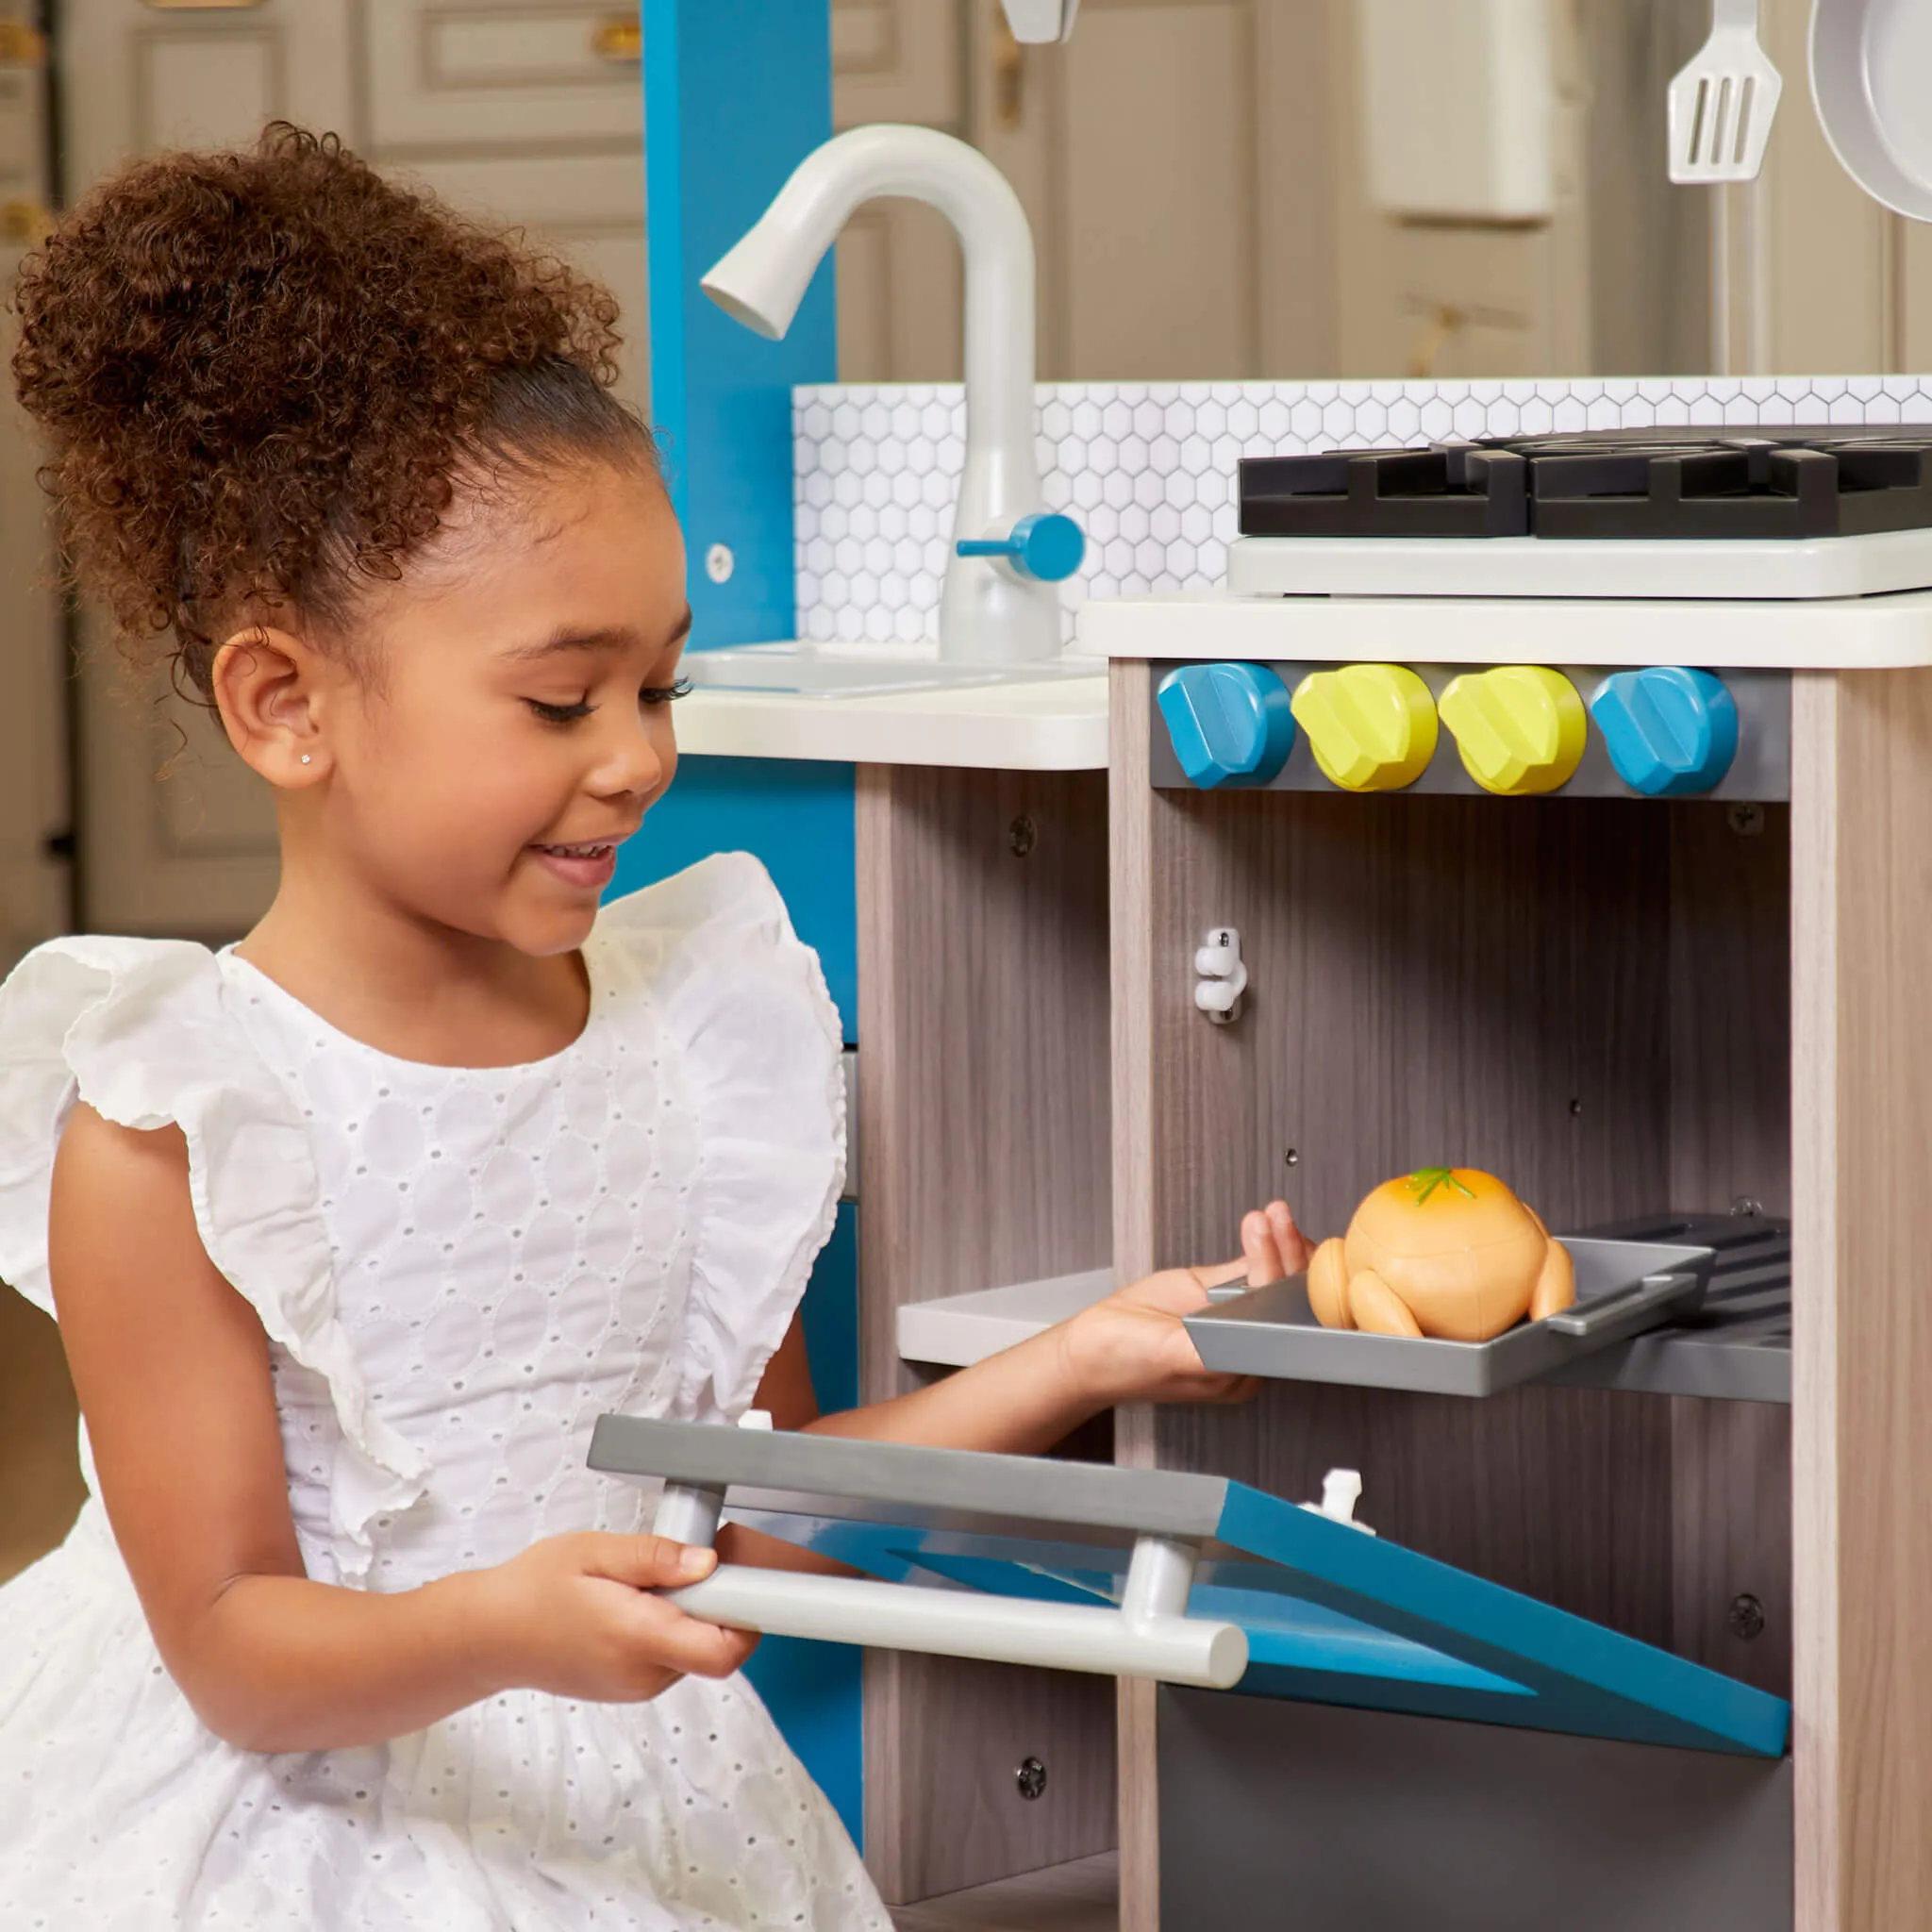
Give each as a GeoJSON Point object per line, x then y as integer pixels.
{"type": "Point", "coordinates": [595, 527]}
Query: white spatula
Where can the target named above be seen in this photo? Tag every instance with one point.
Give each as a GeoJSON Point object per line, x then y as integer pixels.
{"type": "Point", "coordinates": [1722, 102]}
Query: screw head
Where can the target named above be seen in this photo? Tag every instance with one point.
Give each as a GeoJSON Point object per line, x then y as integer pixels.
{"type": "Point", "coordinates": [1745, 1617]}
{"type": "Point", "coordinates": [1747, 821]}
{"type": "Point", "coordinates": [1746, 1208]}
{"type": "Point", "coordinates": [1575, 1106]}
{"type": "Point", "coordinates": [1030, 1778]}
{"type": "Point", "coordinates": [1293, 1158]}
{"type": "Point", "coordinates": [1023, 835]}
{"type": "Point", "coordinates": [720, 563]}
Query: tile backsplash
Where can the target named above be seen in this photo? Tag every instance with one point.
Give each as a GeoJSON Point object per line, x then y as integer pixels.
{"type": "Point", "coordinates": [1148, 469]}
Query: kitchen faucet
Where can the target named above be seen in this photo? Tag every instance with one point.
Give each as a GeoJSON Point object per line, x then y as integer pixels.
{"type": "Point", "coordinates": [999, 603]}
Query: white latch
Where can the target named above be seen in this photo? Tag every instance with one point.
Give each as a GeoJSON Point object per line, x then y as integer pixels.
{"type": "Point", "coordinates": [755, 1419]}
{"type": "Point", "coordinates": [1342, 1490]}
{"type": "Point", "coordinates": [1223, 978]}
{"type": "Point", "coordinates": [1039, 21]}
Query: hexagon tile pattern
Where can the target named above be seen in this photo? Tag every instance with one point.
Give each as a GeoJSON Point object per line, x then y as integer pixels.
{"type": "Point", "coordinates": [1148, 469]}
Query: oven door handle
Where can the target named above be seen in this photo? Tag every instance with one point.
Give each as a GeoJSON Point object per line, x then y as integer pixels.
{"type": "Point", "coordinates": [1148, 1635]}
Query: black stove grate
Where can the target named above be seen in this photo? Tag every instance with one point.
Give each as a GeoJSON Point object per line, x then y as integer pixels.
{"type": "Point", "coordinates": [1690, 484]}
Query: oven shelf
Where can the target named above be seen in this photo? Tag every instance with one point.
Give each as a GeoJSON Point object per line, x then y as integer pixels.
{"type": "Point", "coordinates": [1737, 1347]}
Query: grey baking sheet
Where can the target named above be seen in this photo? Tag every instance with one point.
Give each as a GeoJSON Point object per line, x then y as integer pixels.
{"type": "Point", "coordinates": [1623, 1288]}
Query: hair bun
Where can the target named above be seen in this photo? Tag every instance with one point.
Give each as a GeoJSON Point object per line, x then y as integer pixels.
{"type": "Point", "coordinates": [258, 372]}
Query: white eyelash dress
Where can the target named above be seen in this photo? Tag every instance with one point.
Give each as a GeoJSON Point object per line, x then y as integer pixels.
{"type": "Point", "coordinates": [457, 1271]}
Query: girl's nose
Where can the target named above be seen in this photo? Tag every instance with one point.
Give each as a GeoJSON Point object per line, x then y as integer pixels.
{"type": "Point", "coordinates": [631, 758]}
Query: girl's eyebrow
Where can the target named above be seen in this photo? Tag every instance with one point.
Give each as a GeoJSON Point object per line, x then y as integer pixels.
{"type": "Point", "coordinates": [622, 639]}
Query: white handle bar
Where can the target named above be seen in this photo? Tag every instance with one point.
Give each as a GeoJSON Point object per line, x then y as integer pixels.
{"type": "Point", "coordinates": [1149, 1636]}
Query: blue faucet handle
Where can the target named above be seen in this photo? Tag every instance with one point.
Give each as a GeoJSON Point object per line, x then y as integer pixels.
{"type": "Point", "coordinates": [1044, 545]}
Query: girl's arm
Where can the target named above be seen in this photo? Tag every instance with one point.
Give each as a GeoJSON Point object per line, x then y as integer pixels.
{"type": "Point", "coordinates": [1130, 1347]}
{"type": "Point", "coordinates": [172, 1369]}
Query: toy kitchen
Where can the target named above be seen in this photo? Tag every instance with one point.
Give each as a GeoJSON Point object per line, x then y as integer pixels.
{"type": "Point", "coordinates": [1529, 782]}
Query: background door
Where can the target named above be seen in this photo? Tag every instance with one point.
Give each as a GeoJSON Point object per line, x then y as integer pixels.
{"type": "Point", "coordinates": [526, 113]}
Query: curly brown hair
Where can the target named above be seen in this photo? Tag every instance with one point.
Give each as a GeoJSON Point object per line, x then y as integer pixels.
{"type": "Point", "coordinates": [261, 373]}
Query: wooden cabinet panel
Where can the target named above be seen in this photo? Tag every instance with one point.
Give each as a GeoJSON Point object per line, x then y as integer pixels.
{"type": "Point", "coordinates": [491, 73]}
{"type": "Point", "coordinates": [177, 836]}
{"type": "Point", "coordinates": [33, 748]}
{"type": "Point", "coordinates": [590, 206]}
{"type": "Point", "coordinates": [901, 283]}
{"type": "Point", "coordinates": [898, 60]}
{"type": "Point", "coordinates": [983, 1006]}
{"type": "Point", "coordinates": [208, 89]}
{"type": "Point", "coordinates": [1156, 228]}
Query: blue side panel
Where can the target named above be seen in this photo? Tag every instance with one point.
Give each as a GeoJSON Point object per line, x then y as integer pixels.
{"type": "Point", "coordinates": [813, 1690]}
{"type": "Point", "coordinates": [736, 92]}
{"type": "Point", "coordinates": [796, 816]}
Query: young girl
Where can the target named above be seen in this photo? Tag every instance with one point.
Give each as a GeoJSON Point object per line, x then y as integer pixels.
{"type": "Point", "coordinates": [353, 1230]}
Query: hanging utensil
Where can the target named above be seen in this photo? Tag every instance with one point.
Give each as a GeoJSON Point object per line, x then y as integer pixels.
{"type": "Point", "coordinates": [1870, 65]}
{"type": "Point", "coordinates": [1721, 105]}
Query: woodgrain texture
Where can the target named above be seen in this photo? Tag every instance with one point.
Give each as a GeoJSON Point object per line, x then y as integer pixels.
{"type": "Point", "coordinates": [1731, 1536]}
{"type": "Point", "coordinates": [41, 1488]}
{"type": "Point", "coordinates": [1862, 1325]}
{"type": "Point", "coordinates": [1131, 804]}
{"type": "Point", "coordinates": [983, 1013]}
{"type": "Point", "coordinates": [1816, 1742]}
{"type": "Point", "coordinates": [1076, 1897]}
{"type": "Point", "coordinates": [1729, 1009]}
{"type": "Point", "coordinates": [1588, 997]}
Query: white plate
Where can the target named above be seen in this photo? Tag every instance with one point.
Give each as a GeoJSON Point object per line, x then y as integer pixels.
{"type": "Point", "coordinates": [1872, 79]}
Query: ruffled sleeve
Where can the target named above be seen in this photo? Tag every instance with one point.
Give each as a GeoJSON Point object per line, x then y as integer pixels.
{"type": "Point", "coordinates": [744, 1004]}
{"type": "Point", "coordinates": [139, 1029]}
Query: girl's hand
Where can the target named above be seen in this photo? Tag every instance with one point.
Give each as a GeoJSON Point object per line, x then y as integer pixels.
{"type": "Point", "coordinates": [574, 1615]}
{"type": "Point", "coordinates": [1131, 1347]}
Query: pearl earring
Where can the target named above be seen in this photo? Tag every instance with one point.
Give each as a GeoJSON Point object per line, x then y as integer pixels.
{"type": "Point", "coordinates": [305, 757]}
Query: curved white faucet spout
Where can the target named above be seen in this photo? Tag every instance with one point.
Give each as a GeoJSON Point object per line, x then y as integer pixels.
{"type": "Point", "coordinates": [986, 611]}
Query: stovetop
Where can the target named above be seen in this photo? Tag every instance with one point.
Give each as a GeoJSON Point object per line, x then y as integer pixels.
{"type": "Point", "coordinates": [1720, 484]}
{"type": "Point", "coordinates": [1741, 514]}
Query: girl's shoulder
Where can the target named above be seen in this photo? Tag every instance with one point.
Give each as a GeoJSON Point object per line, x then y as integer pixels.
{"type": "Point", "coordinates": [133, 1027]}
{"type": "Point", "coordinates": [713, 951]}
{"type": "Point", "coordinates": [142, 1031]}
{"type": "Point", "coordinates": [741, 1002]}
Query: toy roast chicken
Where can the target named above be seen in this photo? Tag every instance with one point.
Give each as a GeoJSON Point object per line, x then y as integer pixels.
{"type": "Point", "coordinates": [1444, 1252]}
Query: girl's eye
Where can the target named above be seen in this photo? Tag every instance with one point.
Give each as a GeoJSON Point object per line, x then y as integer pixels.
{"type": "Point", "coordinates": [561, 714]}
{"type": "Point", "coordinates": [665, 694]}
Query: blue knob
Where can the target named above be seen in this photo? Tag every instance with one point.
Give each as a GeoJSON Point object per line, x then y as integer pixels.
{"type": "Point", "coordinates": [1044, 545]}
{"type": "Point", "coordinates": [1669, 731]}
{"type": "Point", "coordinates": [1230, 723]}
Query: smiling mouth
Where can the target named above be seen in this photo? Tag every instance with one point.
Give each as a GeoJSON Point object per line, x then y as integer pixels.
{"type": "Point", "coordinates": [597, 848]}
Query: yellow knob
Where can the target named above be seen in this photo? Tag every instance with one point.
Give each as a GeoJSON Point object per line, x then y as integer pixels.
{"type": "Point", "coordinates": [1520, 728]}
{"type": "Point", "coordinates": [1370, 727]}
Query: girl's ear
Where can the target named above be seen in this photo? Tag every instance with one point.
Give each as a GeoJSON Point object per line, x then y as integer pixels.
{"type": "Point", "coordinates": [267, 686]}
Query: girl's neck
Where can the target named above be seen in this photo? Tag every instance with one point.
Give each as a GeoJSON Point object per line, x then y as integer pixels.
{"type": "Point", "coordinates": [411, 987]}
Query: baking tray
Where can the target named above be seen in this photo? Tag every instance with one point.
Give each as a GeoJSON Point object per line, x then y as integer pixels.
{"type": "Point", "coordinates": [1623, 1288]}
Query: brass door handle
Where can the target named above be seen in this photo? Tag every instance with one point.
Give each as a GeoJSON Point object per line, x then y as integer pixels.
{"type": "Point", "coordinates": [1008, 77]}
{"type": "Point", "coordinates": [619, 36]}
{"type": "Point", "coordinates": [23, 223]}
{"type": "Point", "coordinates": [21, 45]}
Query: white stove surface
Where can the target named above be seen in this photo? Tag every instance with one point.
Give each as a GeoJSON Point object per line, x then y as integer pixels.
{"type": "Point", "coordinates": [1546, 567]}
{"type": "Point", "coordinates": [1887, 632]}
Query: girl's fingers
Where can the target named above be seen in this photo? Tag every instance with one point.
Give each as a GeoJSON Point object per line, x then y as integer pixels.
{"type": "Point", "coordinates": [648, 1562]}
{"type": "Point", "coordinates": [1259, 1248]}
{"type": "Point", "coordinates": [1290, 1242]}
{"type": "Point", "coordinates": [688, 1644]}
